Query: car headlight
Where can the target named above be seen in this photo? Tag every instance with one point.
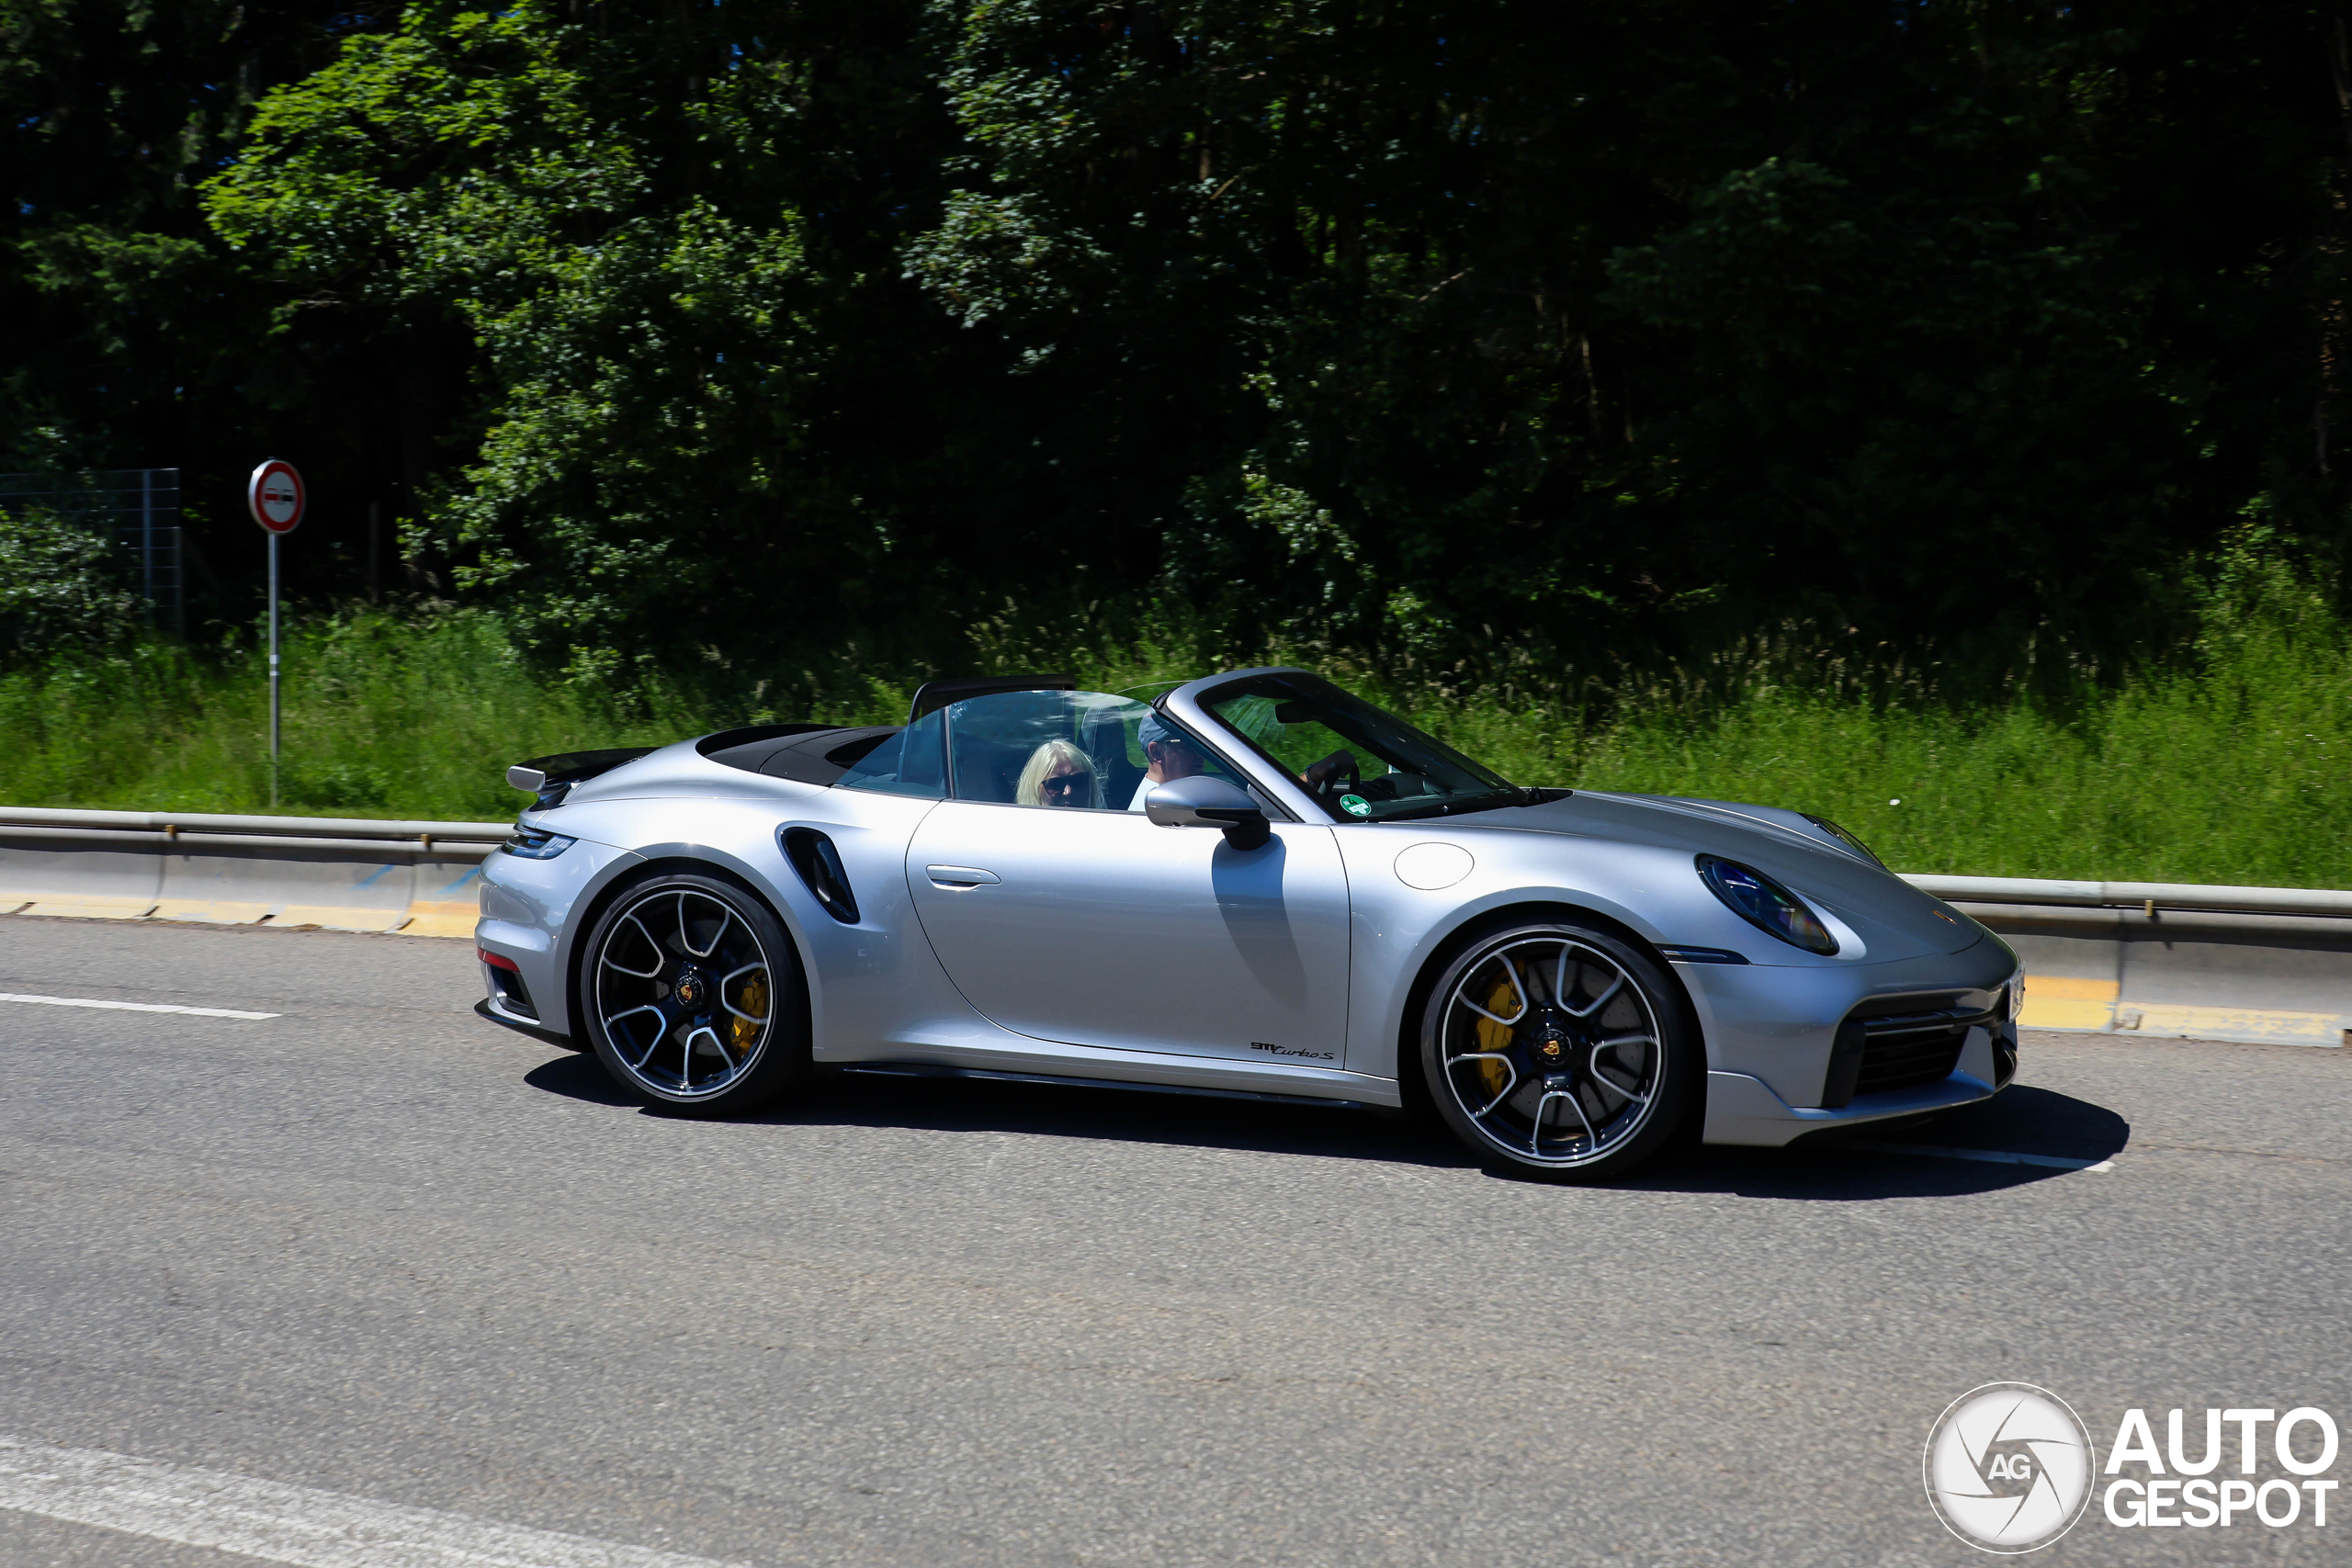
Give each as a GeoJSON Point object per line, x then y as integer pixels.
{"type": "Point", "coordinates": [1766, 904]}
{"type": "Point", "coordinates": [537, 843]}
{"type": "Point", "coordinates": [1845, 837]}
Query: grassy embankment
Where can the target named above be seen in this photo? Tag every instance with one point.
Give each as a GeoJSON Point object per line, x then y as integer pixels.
{"type": "Point", "coordinates": [2229, 767]}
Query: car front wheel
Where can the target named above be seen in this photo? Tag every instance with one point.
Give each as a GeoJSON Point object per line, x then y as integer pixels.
{"type": "Point", "coordinates": [692, 995]}
{"type": "Point", "coordinates": [1559, 1051]}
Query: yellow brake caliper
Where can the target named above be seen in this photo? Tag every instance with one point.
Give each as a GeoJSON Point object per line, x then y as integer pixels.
{"type": "Point", "coordinates": [1493, 1036]}
{"type": "Point", "coordinates": [754, 1000]}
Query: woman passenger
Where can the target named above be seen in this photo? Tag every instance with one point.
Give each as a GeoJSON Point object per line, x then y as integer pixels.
{"type": "Point", "coordinates": [1058, 774]}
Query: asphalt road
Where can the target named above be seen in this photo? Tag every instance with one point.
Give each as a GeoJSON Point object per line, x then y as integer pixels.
{"type": "Point", "coordinates": [379, 1247]}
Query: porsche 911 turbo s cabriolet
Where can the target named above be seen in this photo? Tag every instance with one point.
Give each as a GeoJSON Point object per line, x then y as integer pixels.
{"type": "Point", "coordinates": [1253, 885]}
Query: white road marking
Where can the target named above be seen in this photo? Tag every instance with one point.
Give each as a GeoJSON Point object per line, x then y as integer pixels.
{"type": "Point", "coordinates": [132, 1007]}
{"type": "Point", "coordinates": [294, 1525]}
{"type": "Point", "coordinates": [1990, 1156]}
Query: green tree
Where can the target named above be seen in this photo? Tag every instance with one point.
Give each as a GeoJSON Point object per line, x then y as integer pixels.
{"type": "Point", "coordinates": [1603, 326]}
{"type": "Point", "coordinates": [1580, 331]}
{"type": "Point", "coordinates": [133, 336]}
{"type": "Point", "coordinates": [694, 387]}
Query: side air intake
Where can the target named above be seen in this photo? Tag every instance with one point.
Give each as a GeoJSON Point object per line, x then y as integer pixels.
{"type": "Point", "coordinates": [819, 864]}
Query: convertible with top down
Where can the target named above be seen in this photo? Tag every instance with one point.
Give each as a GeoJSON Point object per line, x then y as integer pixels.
{"type": "Point", "coordinates": [1252, 884]}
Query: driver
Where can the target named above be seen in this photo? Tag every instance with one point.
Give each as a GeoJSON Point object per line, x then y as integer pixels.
{"type": "Point", "coordinates": [1172, 755]}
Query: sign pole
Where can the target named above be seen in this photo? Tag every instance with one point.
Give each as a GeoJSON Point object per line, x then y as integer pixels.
{"type": "Point", "coordinates": [275, 497]}
{"type": "Point", "coordinates": [272, 671]}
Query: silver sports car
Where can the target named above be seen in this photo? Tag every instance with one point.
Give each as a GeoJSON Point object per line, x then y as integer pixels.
{"type": "Point", "coordinates": [1255, 886]}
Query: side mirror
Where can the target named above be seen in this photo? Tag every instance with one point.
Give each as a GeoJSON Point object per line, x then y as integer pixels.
{"type": "Point", "coordinates": [1203, 802]}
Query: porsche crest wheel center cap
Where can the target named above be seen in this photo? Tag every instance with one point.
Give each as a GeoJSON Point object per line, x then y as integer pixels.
{"type": "Point", "coordinates": [1550, 1041]}
{"type": "Point", "coordinates": [692, 989]}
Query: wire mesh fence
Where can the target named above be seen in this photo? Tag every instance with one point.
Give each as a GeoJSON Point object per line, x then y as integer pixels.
{"type": "Point", "coordinates": [138, 508]}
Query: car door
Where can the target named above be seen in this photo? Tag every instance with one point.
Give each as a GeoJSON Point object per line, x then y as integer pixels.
{"type": "Point", "coordinates": [1092, 927]}
{"type": "Point", "coordinates": [1095, 928]}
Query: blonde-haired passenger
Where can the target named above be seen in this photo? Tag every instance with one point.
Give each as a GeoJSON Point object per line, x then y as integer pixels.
{"type": "Point", "coordinates": [1060, 774]}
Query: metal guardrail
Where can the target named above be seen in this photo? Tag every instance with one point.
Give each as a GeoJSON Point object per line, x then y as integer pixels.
{"type": "Point", "coordinates": [2263, 965]}
{"type": "Point", "coordinates": [2142, 896]}
{"type": "Point", "coordinates": [210, 829]}
{"type": "Point", "coordinates": [343, 872]}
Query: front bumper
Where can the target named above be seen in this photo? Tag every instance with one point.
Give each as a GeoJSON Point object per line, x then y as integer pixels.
{"type": "Point", "coordinates": [1744, 1110]}
{"type": "Point", "coordinates": [1773, 1037]}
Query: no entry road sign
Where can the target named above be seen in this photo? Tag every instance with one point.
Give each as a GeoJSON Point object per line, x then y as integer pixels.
{"type": "Point", "coordinates": [275, 497]}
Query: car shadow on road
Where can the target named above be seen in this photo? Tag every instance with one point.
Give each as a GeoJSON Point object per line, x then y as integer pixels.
{"type": "Point", "coordinates": [2023, 1121]}
{"type": "Point", "coordinates": [577, 1075]}
{"type": "Point", "coordinates": [1875, 1163]}
{"type": "Point", "coordinates": [965, 1105]}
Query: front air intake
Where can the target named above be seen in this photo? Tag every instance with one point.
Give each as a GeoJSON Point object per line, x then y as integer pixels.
{"type": "Point", "coordinates": [1880, 1049]}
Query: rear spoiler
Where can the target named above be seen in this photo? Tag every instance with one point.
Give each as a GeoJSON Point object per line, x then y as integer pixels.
{"type": "Point", "coordinates": [551, 778]}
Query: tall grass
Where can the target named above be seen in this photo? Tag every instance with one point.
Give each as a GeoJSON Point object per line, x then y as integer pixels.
{"type": "Point", "coordinates": [382, 716]}
{"type": "Point", "coordinates": [2233, 773]}
{"type": "Point", "coordinates": [2228, 764]}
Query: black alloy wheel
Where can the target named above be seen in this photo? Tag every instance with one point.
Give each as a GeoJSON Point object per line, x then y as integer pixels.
{"type": "Point", "coordinates": [1559, 1051]}
{"type": "Point", "coordinates": [690, 993]}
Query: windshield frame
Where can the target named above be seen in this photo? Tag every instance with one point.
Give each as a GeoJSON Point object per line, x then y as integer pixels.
{"type": "Point", "coordinates": [1191, 703]}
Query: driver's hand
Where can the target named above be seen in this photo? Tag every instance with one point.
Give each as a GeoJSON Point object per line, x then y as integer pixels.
{"type": "Point", "coordinates": [1338, 764]}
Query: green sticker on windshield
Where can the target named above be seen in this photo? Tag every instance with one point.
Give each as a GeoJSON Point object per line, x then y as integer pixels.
{"type": "Point", "coordinates": [1355, 805]}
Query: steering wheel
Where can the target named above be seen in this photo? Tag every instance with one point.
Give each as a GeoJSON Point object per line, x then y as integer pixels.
{"type": "Point", "coordinates": [1341, 766]}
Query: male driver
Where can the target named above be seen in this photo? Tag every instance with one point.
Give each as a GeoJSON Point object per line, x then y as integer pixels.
{"type": "Point", "coordinates": [1171, 753]}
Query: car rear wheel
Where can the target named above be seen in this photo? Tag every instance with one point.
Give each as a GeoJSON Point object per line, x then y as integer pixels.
{"type": "Point", "coordinates": [692, 997]}
{"type": "Point", "coordinates": [1559, 1051]}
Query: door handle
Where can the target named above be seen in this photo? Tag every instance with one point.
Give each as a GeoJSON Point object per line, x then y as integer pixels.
{"type": "Point", "coordinates": [961, 878]}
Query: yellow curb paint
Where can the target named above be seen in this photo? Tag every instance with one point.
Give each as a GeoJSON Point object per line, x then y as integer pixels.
{"type": "Point", "coordinates": [450, 918]}
{"type": "Point", "coordinates": [90, 909]}
{"type": "Point", "coordinates": [2203, 1022]}
{"type": "Point", "coordinates": [2063, 1012]}
{"type": "Point", "coordinates": [338, 917]}
{"type": "Point", "coordinates": [454, 917]}
{"type": "Point", "coordinates": [2069, 989]}
{"type": "Point", "coordinates": [211, 911]}
{"type": "Point", "coordinates": [2076, 1002]}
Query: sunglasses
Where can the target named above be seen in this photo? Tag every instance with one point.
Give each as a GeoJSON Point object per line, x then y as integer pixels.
{"type": "Point", "coordinates": [1067, 783]}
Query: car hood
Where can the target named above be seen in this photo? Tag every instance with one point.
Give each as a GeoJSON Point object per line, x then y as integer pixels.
{"type": "Point", "coordinates": [1780, 843]}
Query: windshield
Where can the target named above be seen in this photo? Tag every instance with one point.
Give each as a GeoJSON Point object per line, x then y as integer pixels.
{"type": "Point", "coordinates": [1357, 763]}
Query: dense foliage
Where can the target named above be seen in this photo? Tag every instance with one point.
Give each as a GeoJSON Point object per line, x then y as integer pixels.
{"type": "Point", "coordinates": [130, 335]}
{"type": "Point", "coordinates": [2227, 767]}
{"type": "Point", "coordinates": [1590, 331]}
{"type": "Point", "coordinates": [61, 587]}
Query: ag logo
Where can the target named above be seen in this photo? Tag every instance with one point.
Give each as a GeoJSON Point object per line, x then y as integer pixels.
{"type": "Point", "coordinates": [2008, 1466]}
